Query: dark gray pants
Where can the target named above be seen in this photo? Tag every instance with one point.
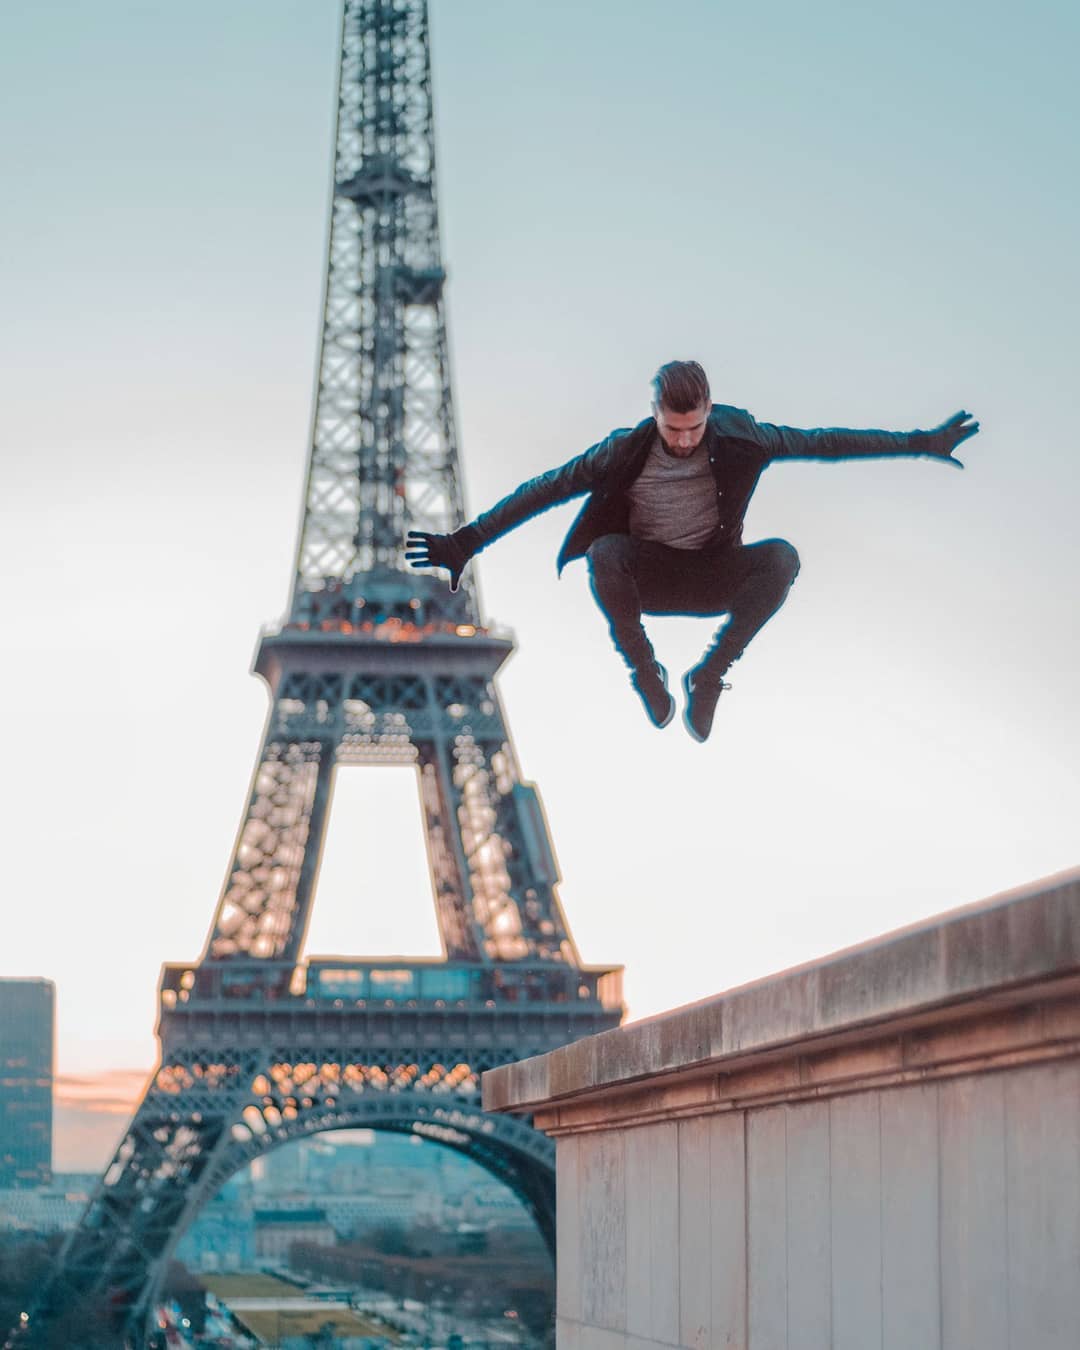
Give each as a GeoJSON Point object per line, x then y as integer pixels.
{"type": "Point", "coordinates": [631, 577]}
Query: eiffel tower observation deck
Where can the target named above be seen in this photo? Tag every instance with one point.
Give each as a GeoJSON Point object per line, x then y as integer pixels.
{"type": "Point", "coordinates": [372, 664]}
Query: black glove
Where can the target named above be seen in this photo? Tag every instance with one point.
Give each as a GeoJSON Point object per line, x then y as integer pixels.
{"type": "Point", "coordinates": [451, 551]}
{"type": "Point", "coordinates": [949, 435]}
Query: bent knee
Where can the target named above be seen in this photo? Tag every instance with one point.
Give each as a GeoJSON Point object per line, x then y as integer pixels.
{"type": "Point", "coordinates": [610, 550]}
{"type": "Point", "coordinates": [784, 558]}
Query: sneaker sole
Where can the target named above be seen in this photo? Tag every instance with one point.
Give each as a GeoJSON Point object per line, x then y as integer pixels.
{"type": "Point", "coordinates": [671, 702]}
{"type": "Point", "coordinates": [686, 713]}
{"type": "Point", "coordinates": [667, 720]}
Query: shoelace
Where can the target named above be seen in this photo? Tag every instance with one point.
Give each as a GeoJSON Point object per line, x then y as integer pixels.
{"type": "Point", "coordinates": [719, 688]}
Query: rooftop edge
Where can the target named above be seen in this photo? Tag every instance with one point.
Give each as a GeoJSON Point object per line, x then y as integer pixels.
{"type": "Point", "coordinates": [980, 951]}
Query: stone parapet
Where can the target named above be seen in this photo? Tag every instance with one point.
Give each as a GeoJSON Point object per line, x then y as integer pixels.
{"type": "Point", "coordinates": [876, 1151]}
{"type": "Point", "coordinates": [988, 982]}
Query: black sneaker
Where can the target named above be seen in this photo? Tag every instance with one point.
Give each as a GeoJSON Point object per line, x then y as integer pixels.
{"type": "Point", "coordinates": [650, 683]}
{"type": "Point", "coordinates": [701, 695]}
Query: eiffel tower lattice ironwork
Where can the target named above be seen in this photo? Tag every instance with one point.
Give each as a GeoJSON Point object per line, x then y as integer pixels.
{"type": "Point", "coordinates": [374, 664]}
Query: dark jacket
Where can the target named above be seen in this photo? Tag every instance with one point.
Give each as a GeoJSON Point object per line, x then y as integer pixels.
{"type": "Point", "coordinates": [739, 449]}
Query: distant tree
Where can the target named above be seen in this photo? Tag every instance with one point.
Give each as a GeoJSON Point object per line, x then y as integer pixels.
{"type": "Point", "coordinates": [392, 1240]}
{"type": "Point", "coordinates": [80, 1324]}
{"type": "Point", "coordinates": [74, 1321]}
{"type": "Point", "coordinates": [24, 1264]}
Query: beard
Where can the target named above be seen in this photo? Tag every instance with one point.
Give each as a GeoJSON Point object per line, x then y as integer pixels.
{"type": "Point", "coordinates": [675, 452]}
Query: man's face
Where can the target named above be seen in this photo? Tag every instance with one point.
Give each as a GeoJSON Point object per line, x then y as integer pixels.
{"type": "Point", "coordinates": [681, 433]}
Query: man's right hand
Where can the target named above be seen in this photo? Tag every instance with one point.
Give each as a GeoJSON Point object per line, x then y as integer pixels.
{"type": "Point", "coordinates": [950, 433]}
{"type": "Point", "coordinates": [438, 550]}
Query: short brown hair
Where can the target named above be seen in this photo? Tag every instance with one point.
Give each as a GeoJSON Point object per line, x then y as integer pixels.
{"type": "Point", "coordinates": [681, 387]}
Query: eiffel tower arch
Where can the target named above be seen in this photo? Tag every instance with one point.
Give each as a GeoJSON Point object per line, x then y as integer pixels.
{"type": "Point", "coordinates": [372, 664]}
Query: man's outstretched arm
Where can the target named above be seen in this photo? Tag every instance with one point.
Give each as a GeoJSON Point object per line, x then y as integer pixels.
{"type": "Point", "coordinates": [841, 443]}
{"type": "Point", "coordinates": [572, 479]}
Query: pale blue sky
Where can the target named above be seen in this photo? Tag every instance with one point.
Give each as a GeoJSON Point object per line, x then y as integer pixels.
{"type": "Point", "coordinates": [852, 215]}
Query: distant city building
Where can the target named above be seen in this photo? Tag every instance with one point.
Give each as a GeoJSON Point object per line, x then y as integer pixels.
{"type": "Point", "coordinates": [313, 1191]}
{"type": "Point", "coordinates": [277, 1229]}
{"type": "Point", "coordinates": [352, 1215]}
{"type": "Point", "coordinates": [55, 1208]}
{"type": "Point", "coordinates": [41, 1211]}
{"type": "Point", "coordinates": [284, 1169]}
{"type": "Point", "coordinates": [223, 1236]}
{"type": "Point", "coordinates": [490, 1206]}
{"type": "Point", "coordinates": [27, 1017]}
{"type": "Point", "coordinates": [77, 1184]}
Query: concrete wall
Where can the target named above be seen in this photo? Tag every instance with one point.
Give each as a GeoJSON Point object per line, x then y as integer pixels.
{"type": "Point", "coordinates": [906, 1177]}
{"type": "Point", "coordinates": [928, 1217]}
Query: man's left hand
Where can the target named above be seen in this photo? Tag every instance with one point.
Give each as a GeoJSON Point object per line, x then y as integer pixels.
{"type": "Point", "coordinates": [949, 435]}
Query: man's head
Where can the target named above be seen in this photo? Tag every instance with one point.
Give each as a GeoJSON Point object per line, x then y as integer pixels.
{"type": "Point", "coordinates": [681, 403]}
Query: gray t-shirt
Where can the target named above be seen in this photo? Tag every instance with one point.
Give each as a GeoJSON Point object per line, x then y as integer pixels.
{"type": "Point", "coordinates": [673, 499]}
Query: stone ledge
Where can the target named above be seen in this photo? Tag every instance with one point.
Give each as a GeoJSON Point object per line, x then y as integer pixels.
{"type": "Point", "coordinates": [1013, 958]}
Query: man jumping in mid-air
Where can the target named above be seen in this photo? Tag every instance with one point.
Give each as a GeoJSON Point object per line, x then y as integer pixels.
{"type": "Point", "coordinates": [662, 529]}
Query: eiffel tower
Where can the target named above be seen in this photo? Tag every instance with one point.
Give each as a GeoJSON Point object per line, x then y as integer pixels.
{"type": "Point", "coordinates": [373, 664]}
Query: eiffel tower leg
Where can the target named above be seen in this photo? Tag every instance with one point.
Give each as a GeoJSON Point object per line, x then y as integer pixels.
{"type": "Point", "coordinates": [264, 906]}
{"type": "Point", "coordinates": [462, 935]}
{"type": "Point", "coordinates": [121, 1245]}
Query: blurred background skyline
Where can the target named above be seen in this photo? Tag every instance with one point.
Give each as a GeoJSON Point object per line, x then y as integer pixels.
{"type": "Point", "coordinates": [851, 217]}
